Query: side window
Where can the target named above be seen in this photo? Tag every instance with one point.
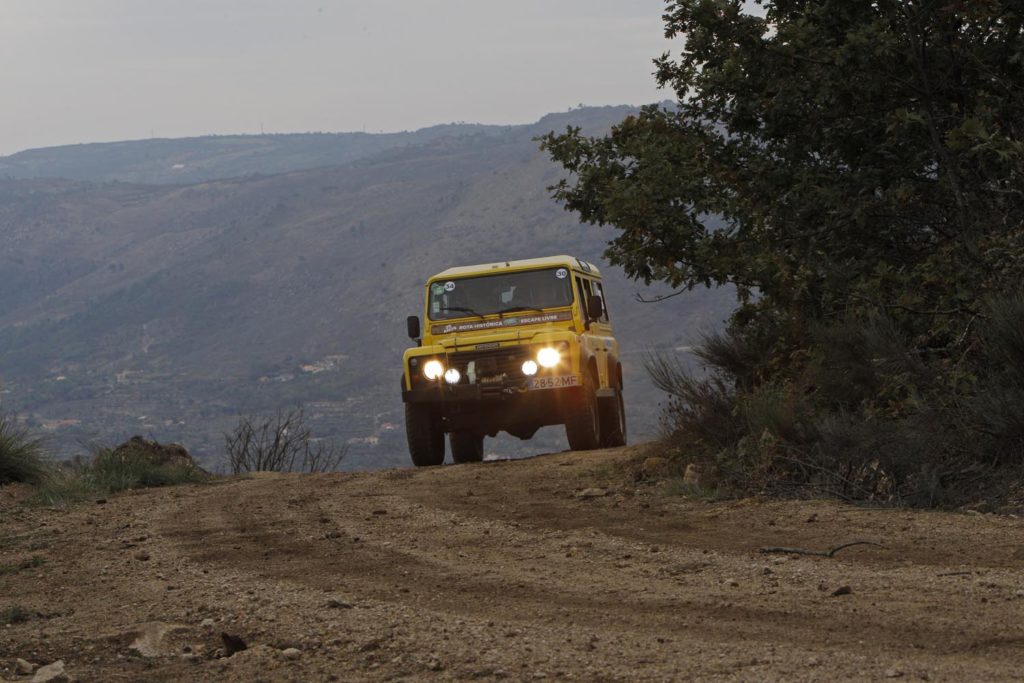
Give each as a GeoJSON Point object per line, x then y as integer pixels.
{"type": "Point", "coordinates": [599, 290]}
{"type": "Point", "coordinates": [582, 294]}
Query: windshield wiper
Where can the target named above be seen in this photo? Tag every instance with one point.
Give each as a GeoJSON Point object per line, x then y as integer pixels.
{"type": "Point", "coordinates": [515, 309]}
{"type": "Point", "coordinates": [463, 310]}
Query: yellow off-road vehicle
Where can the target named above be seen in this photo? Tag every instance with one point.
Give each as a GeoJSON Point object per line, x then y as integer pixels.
{"type": "Point", "coordinates": [512, 346]}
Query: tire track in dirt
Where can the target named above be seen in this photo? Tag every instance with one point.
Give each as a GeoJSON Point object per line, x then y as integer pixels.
{"type": "Point", "coordinates": [500, 540]}
{"type": "Point", "coordinates": [499, 571]}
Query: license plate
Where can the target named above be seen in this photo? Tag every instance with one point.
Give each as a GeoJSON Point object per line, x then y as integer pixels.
{"type": "Point", "coordinates": [554, 382]}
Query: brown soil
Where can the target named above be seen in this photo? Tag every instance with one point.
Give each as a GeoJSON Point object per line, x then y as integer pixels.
{"type": "Point", "coordinates": [501, 571]}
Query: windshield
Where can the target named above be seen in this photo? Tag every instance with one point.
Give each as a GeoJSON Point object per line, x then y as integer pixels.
{"type": "Point", "coordinates": [531, 290]}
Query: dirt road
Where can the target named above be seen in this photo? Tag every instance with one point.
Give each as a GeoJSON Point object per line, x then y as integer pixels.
{"type": "Point", "coordinates": [503, 571]}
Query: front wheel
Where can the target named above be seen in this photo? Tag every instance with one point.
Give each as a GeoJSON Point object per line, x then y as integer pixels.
{"type": "Point", "coordinates": [425, 436]}
{"type": "Point", "coordinates": [467, 446]}
{"type": "Point", "coordinates": [582, 419]}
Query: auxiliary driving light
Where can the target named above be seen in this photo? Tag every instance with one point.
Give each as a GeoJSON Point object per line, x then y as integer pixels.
{"type": "Point", "coordinates": [530, 368]}
{"type": "Point", "coordinates": [548, 357]}
{"type": "Point", "coordinates": [433, 369]}
{"type": "Point", "coordinates": [452, 376]}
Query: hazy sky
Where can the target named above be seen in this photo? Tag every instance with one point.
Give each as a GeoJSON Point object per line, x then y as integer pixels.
{"type": "Point", "coordinates": [99, 70]}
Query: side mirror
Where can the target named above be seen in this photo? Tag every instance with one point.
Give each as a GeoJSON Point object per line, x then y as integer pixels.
{"type": "Point", "coordinates": [412, 324]}
{"type": "Point", "coordinates": [595, 308]}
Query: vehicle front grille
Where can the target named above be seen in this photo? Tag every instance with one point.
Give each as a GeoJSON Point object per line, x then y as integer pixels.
{"type": "Point", "coordinates": [479, 366]}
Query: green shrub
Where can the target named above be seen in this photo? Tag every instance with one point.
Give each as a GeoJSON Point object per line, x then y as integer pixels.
{"type": "Point", "coordinates": [22, 455]}
{"type": "Point", "coordinates": [68, 484]}
{"type": "Point", "coordinates": [15, 614]}
{"type": "Point", "coordinates": [31, 563]}
{"type": "Point", "coordinates": [114, 470]}
{"type": "Point", "coordinates": [864, 419]}
{"type": "Point", "coordinates": [700, 410]}
{"type": "Point", "coordinates": [136, 463]}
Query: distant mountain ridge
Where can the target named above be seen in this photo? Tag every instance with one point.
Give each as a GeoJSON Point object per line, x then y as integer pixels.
{"type": "Point", "coordinates": [190, 160]}
{"type": "Point", "coordinates": [186, 161]}
{"type": "Point", "coordinates": [170, 310]}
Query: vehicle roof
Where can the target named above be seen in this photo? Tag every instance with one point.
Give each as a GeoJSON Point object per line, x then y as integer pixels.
{"type": "Point", "coordinates": [570, 262]}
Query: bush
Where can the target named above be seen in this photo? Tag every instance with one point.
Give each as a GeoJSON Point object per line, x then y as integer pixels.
{"type": "Point", "coordinates": [14, 615]}
{"type": "Point", "coordinates": [22, 455]}
{"type": "Point", "coordinates": [866, 419]}
{"type": "Point", "coordinates": [282, 443]}
{"type": "Point", "coordinates": [65, 486]}
{"type": "Point", "coordinates": [137, 463]}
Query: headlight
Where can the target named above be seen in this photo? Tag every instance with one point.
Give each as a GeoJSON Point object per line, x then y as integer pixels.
{"type": "Point", "coordinates": [452, 376]}
{"type": "Point", "coordinates": [529, 368]}
{"type": "Point", "coordinates": [548, 357]}
{"type": "Point", "coordinates": [433, 369]}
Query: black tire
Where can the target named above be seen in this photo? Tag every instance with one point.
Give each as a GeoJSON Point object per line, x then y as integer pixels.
{"type": "Point", "coordinates": [425, 436]}
{"type": "Point", "coordinates": [613, 421]}
{"type": "Point", "coordinates": [467, 446]}
{"type": "Point", "coordinates": [582, 420]}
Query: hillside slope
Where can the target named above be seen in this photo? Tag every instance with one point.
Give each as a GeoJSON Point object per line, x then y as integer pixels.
{"type": "Point", "coordinates": [171, 310]}
{"type": "Point", "coordinates": [504, 571]}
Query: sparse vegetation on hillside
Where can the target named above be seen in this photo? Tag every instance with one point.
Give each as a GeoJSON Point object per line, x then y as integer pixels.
{"type": "Point", "coordinates": [137, 463]}
{"type": "Point", "coordinates": [856, 171]}
{"type": "Point", "coordinates": [22, 456]}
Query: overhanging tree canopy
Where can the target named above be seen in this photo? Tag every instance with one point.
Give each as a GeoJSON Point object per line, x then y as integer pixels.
{"type": "Point", "coordinates": [855, 169]}
{"type": "Point", "coordinates": [833, 155]}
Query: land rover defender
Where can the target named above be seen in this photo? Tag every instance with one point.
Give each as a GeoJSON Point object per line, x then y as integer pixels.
{"type": "Point", "coordinates": [512, 346]}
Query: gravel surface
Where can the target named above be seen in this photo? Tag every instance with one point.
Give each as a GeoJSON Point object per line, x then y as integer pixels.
{"type": "Point", "coordinates": [556, 567]}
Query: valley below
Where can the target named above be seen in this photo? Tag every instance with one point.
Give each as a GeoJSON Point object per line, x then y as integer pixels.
{"type": "Point", "coordinates": [137, 300]}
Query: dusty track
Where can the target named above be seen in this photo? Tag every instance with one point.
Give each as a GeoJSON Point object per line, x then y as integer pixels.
{"type": "Point", "coordinates": [499, 571]}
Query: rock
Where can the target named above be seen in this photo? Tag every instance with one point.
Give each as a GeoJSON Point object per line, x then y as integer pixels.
{"type": "Point", "coordinates": [732, 582]}
{"type": "Point", "coordinates": [335, 603]}
{"type": "Point", "coordinates": [142, 556]}
{"type": "Point", "coordinates": [370, 646]}
{"type": "Point", "coordinates": [52, 673]}
{"type": "Point", "coordinates": [137, 448]}
{"type": "Point", "coordinates": [842, 590]}
{"type": "Point", "coordinates": [694, 474]}
{"type": "Point", "coordinates": [893, 673]}
{"type": "Point", "coordinates": [150, 639]}
{"type": "Point", "coordinates": [291, 653]}
{"type": "Point", "coordinates": [207, 623]}
{"type": "Point", "coordinates": [592, 493]}
{"type": "Point", "coordinates": [232, 644]}
{"type": "Point", "coordinates": [23, 667]}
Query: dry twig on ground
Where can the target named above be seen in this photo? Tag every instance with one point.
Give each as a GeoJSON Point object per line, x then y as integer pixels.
{"type": "Point", "coordinates": [819, 553]}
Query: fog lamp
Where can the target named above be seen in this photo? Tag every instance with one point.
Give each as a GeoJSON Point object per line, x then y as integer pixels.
{"type": "Point", "coordinates": [452, 376]}
{"type": "Point", "coordinates": [529, 368]}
